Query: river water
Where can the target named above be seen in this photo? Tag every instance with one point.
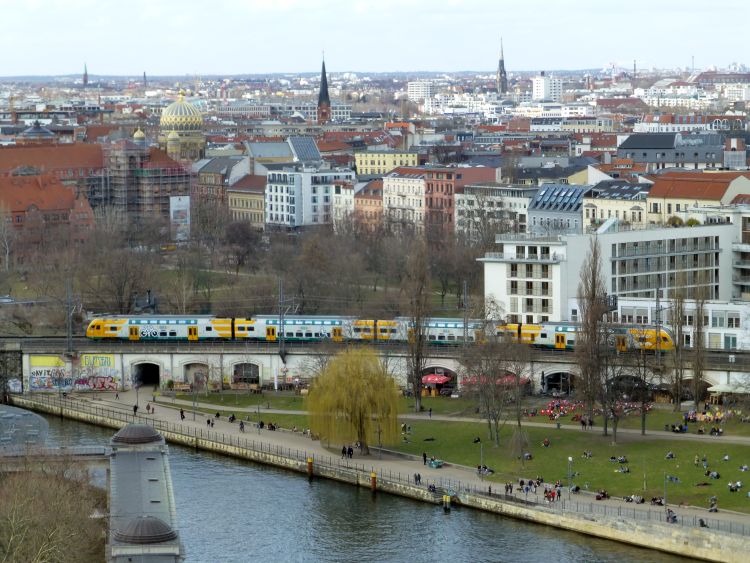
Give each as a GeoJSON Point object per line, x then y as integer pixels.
{"type": "Point", "coordinates": [235, 511]}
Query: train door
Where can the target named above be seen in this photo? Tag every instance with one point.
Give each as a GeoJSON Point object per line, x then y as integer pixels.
{"type": "Point", "coordinates": [621, 343]}
{"type": "Point", "coordinates": [133, 333]}
{"type": "Point", "coordinates": [192, 333]}
{"type": "Point", "coordinates": [336, 334]}
{"type": "Point", "coordinates": [271, 333]}
{"type": "Point", "coordinates": [559, 342]}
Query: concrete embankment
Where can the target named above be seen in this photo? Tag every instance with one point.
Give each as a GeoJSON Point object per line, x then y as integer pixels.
{"type": "Point", "coordinates": [693, 542]}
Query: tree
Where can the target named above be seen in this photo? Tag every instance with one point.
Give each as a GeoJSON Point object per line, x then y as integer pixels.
{"type": "Point", "coordinates": [354, 399]}
{"type": "Point", "coordinates": [484, 369]}
{"type": "Point", "coordinates": [591, 338]}
{"type": "Point", "coordinates": [699, 343]}
{"type": "Point", "coordinates": [678, 320]}
{"type": "Point", "coordinates": [7, 237]}
{"type": "Point", "coordinates": [416, 288]}
{"type": "Point", "coordinates": [48, 518]}
{"type": "Point", "coordinates": [241, 241]}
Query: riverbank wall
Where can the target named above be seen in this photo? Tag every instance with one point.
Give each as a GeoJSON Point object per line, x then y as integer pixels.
{"type": "Point", "coordinates": [692, 542]}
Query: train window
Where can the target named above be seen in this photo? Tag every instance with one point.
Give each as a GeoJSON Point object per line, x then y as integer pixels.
{"type": "Point", "coordinates": [317, 335]}
{"type": "Point", "coordinates": [209, 329]}
{"type": "Point", "coordinates": [432, 337]}
{"type": "Point", "coordinates": [172, 333]}
{"type": "Point", "coordinates": [250, 328]}
{"type": "Point", "coordinates": [299, 335]}
{"type": "Point", "coordinates": [163, 333]}
{"type": "Point", "coordinates": [543, 335]}
{"type": "Point", "coordinates": [383, 330]}
{"type": "Point", "coordinates": [112, 328]}
{"type": "Point", "coordinates": [240, 328]}
{"type": "Point", "coordinates": [393, 331]}
{"type": "Point", "coordinates": [357, 330]}
{"type": "Point", "coordinates": [308, 335]}
{"type": "Point", "coordinates": [441, 337]}
{"type": "Point", "coordinates": [451, 337]}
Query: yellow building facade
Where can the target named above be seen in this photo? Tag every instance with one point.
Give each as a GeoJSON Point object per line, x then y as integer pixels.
{"type": "Point", "coordinates": [381, 162]}
{"type": "Point", "coordinates": [247, 203]}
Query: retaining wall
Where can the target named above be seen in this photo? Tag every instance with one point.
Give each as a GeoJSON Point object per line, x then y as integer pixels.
{"type": "Point", "coordinates": [699, 543]}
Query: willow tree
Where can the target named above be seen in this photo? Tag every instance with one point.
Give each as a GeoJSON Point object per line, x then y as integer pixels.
{"type": "Point", "coordinates": [355, 398]}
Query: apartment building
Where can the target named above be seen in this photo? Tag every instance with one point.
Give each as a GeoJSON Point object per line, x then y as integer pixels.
{"type": "Point", "coordinates": [619, 199]}
{"type": "Point", "coordinates": [301, 195]}
{"type": "Point", "coordinates": [673, 150]}
{"type": "Point", "coordinates": [533, 278]}
{"type": "Point", "coordinates": [380, 162]}
{"type": "Point", "coordinates": [491, 207]}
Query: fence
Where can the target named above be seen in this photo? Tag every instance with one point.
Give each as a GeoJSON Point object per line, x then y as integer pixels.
{"type": "Point", "coordinates": [361, 472]}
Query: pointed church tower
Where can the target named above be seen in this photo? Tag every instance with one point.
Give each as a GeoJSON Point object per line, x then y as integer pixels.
{"type": "Point", "coordinates": [324, 102]}
{"type": "Point", "coordinates": [502, 77]}
{"type": "Point", "coordinates": [85, 75]}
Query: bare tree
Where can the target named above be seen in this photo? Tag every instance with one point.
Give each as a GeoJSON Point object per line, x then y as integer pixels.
{"type": "Point", "coordinates": [7, 237]}
{"type": "Point", "coordinates": [699, 344]}
{"type": "Point", "coordinates": [416, 289]}
{"type": "Point", "coordinates": [678, 320]}
{"type": "Point", "coordinates": [484, 367]}
{"type": "Point", "coordinates": [591, 336]}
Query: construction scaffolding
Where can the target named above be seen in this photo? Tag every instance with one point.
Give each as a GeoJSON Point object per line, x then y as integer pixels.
{"type": "Point", "coordinates": [142, 179]}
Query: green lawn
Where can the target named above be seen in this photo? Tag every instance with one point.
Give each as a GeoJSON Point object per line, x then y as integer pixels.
{"type": "Point", "coordinates": [453, 441]}
{"type": "Point", "coordinates": [656, 419]}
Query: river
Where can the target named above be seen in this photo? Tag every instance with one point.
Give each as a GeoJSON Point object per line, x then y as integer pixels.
{"type": "Point", "coordinates": [235, 511]}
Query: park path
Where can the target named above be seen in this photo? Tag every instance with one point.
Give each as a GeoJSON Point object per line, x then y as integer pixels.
{"type": "Point", "coordinates": [650, 434]}
{"type": "Point", "coordinates": [403, 465]}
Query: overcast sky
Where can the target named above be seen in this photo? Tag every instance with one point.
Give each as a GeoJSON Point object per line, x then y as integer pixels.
{"type": "Point", "coordinates": [260, 36]}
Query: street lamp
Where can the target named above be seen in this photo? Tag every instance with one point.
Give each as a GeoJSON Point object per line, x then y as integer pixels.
{"type": "Point", "coordinates": [570, 473]}
{"type": "Point", "coordinates": [478, 440]}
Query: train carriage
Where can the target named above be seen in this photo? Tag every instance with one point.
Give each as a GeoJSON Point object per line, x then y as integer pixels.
{"type": "Point", "coordinates": [159, 327]}
{"type": "Point", "coordinates": [304, 328]}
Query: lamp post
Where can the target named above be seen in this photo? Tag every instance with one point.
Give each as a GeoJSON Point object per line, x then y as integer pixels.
{"type": "Point", "coordinates": [570, 473]}
{"type": "Point", "coordinates": [478, 440]}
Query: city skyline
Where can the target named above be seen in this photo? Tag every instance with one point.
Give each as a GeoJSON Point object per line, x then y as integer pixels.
{"type": "Point", "coordinates": [172, 38]}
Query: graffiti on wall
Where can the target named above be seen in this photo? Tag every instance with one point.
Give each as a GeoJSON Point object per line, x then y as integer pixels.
{"type": "Point", "coordinates": [49, 373]}
{"type": "Point", "coordinates": [96, 372]}
{"type": "Point", "coordinates": [91, 372]}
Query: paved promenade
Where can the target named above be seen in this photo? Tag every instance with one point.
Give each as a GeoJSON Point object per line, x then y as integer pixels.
{"type": "Point", "coordinates": [402, 465]}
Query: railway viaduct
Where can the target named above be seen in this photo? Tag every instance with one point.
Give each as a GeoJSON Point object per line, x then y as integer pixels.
{"type": "Point", "coordinates": [55, 365]}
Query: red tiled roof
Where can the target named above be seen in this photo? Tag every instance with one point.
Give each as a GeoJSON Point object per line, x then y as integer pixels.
{"type": "Point", "coordinates": [251, 183]}
{"type": "Point", "coordinates": [46, 192]}
{"type": "Point", "coordinates": [330, 146]}
{"type": "Point", "coordinates": [741, 199]}
{"type": "Point", "coordinates": [52, 157]}
{"type": "Point", "coordinates": [676, 187]}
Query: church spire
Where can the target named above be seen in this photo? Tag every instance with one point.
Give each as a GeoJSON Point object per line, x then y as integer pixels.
{"type": "Point", "coordinates": [85, 75]}
{"type": "Point", "coordinates": [501, 81]}
{"type": "Point", "coordinates": [324, 101]}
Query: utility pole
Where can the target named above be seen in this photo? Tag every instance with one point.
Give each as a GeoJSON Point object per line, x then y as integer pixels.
{"type": "Point", "coordinates": [282, 350]}
{"type": "Point", "coordinates": [466, 313]}
{"type": "Point", "coordinates": [69, 317]}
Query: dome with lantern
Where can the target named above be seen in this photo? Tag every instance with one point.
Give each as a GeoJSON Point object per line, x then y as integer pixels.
{"type": "Point", "coordinates": [181, 116]}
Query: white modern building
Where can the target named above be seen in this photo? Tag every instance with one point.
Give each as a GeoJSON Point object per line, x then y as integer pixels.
{"type": "Point", "coordinates": [301, 195]}
{"type": "Point", "coordinates": [546, 87]}
{"type": "Point", "coordinates": [490, 205]}
{"type": "Point", "coordinates": [532, 279]}
{"type": "Point", "coordinates": [420, 90]}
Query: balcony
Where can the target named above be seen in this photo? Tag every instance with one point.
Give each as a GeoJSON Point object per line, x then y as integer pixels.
{"type": "Point", "coordinates": [515, 258]}
{"type": "Point", "coordinates": [741, 263]}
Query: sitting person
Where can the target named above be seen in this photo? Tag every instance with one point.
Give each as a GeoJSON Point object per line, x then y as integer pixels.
{"type": "Point", "coordinates": [671, 516]}
{"type": "Point", "coordinates": [726, 457]}
{"type": "Point", "coordinates": [702, 523]}
{"type": "Point", "coordinates": [658, 501]}
{"type": "Point", "coordinates": [587, 454]}
{"type": "Point", "coordinates": [612, 458]}
{"type": "Point", "coordinates": [545, 443]}
{"type": "Point", "coordinates": [623, 469]}
{"type": "Point", "coordinates": [713, 475]}
{"type": "Point", "coordinates": [743, 467]}
{"type": "Point", "coordinates": [701, 429]}
{"type": "Point", "coordinates": [527, 456]}
{"type": "Point", "coordinates": [670, 455]}
{"type": "Point", "coordinates": [732, 487]}
{"type": "Point", "coordinates": [622, 459]}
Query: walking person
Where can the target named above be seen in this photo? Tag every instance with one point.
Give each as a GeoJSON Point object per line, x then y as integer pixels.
{"type": "Point", "coordinates": [430, 411]}
{"type": "Point", "coordinates": [182, 414]}
{"type": "Point", "coordinates": [135, 410]}
{"type": "Point", "coordinates": [343, 452]}
{"type": "Point", "coordinates": [117, 395]}
{"type": "Point", "coordinates": [350, 451]}
{"type": "Point", "coordinates": [424, 458]}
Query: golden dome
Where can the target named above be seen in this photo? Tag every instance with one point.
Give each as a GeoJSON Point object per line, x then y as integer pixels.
{"type": "Point", "coordinates": [139, 135]}
{"type": "Point", "coordinates": [181, 116]}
